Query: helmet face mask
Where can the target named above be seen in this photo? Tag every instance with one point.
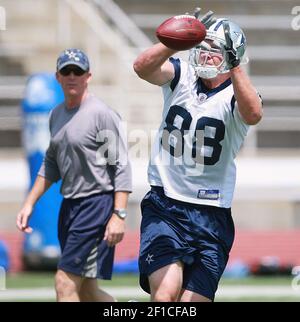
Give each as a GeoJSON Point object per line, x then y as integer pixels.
{"type": "Point", "coordinates": [213, 46]}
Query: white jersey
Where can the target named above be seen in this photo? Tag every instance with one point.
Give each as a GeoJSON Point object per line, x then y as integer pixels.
{"type": "Point", "coordinates": [200, 134]}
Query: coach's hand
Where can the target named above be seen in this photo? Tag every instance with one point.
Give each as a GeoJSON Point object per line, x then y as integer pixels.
{"type": "Point", "coordinates": [115, 230]}
{"type": "Point", "coordinates": [23, 219]}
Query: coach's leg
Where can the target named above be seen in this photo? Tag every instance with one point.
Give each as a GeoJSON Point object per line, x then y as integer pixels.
{"type": "Point", "coordinates": [67, 286]}
{"type": "Point", "coordinates": [189, 296]}
{"type": "Point", "coordinates": [166, 283]}
{"type": "Point", "coordinates": [90, 292]}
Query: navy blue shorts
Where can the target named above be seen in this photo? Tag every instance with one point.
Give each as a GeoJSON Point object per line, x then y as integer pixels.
{"type": "Point", "coordinates": [81, 228]}
{"type": "Point", "coordinates": [198, 236]}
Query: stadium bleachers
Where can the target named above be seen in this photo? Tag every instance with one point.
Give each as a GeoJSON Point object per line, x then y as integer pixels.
{"type": "Point", "coordinates": [274, 55]}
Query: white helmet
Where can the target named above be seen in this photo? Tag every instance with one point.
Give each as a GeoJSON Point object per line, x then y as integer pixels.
{"type": "Point", "coordinates": [214, 43]}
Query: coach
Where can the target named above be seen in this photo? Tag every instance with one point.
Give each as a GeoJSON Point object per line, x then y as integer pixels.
{"type": "Point", "coordinates": [88, 151]}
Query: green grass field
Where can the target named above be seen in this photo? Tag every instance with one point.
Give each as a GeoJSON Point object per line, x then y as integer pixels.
{"type": "Point", "coordinates": [33, 280]}
{"type": "Point", "coordinates": [46, 280]}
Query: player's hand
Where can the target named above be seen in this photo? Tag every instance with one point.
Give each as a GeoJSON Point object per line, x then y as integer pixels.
{"type": "Point", "coordinates": [115, 230]}
{"type": "Point", "coordinates": [23, 219]}
{"type": "Point", "coordinates": [207, 19]}
{"type": "Point", "coordinates": [229, 51]}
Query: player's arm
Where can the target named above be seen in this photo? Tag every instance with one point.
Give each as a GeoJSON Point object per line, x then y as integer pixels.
{"type": "Point", "coordinates": [41, 185]}
{"type": "Point", "coordinates": [248, 101]}
{"type": "Point", "coordinates": [153, 65]}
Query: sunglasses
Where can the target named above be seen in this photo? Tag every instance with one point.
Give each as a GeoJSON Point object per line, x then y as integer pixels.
{"type": "Point", "coordinates": [77, 71]}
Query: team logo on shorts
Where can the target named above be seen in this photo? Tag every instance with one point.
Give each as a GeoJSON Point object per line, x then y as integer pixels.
{"type": "Point", "coordinates": [149, 258]}
{"type": "Point", "coordinates": [77, 260]}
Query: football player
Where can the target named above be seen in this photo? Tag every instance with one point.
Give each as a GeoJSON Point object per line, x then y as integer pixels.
{"type": "Point", "coordinates": [187, 229]}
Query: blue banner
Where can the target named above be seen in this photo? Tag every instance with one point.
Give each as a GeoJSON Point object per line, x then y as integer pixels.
{"type": "Point", "coordinates": [42, 94]}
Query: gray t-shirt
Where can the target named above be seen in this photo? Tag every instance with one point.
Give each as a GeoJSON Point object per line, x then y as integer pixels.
{"type": "Point", "coordinates": [88, 150]}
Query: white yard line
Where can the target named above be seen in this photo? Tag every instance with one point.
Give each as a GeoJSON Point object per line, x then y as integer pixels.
{"type": "Point", "coordinates": [134, 292]}
{"type": "Point", "coordinates": [256, 291]}
{"type": "Point", "coordinates": [49, 293]}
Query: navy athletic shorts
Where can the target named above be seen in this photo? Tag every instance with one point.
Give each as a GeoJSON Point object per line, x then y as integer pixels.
{"type": "Point", "coordinates": [198, 236]}
{"type": "Point", "coordinates": [81, 228]}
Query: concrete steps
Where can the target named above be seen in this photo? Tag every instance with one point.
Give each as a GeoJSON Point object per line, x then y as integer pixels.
{"type": "Point", "coordinates": [253, 7]}
{"type": "Point", "coordinates": [34, 37]}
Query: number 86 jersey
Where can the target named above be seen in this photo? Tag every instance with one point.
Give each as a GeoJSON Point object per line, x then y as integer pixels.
{"type": "Point", "coordinates": [201, 132]}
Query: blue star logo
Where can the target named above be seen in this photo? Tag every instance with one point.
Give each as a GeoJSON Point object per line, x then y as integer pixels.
{"type": "Point", "coordinates": [149, 258]}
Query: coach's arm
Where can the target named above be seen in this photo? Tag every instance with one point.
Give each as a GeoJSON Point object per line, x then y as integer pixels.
{"type": "Point", "coordinates": [41, 185]}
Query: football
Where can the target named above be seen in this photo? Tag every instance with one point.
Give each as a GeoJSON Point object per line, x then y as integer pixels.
{"type": "Point", "coordinates": [181, 32]}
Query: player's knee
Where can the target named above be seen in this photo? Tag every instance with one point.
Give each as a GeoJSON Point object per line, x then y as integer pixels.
{"type": "Point", "coordinates": [163, 296]}
{"type": "Point", "coordinates": [64, 287]}
{"type": "Point", "coordinates": [87, 294]}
